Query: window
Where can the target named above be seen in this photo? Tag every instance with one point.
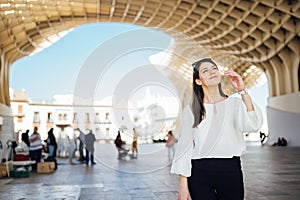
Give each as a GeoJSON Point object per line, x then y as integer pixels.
{"type": "Point", "coordinates": [97, 118]}
{"type": "Point", "coordinates": [75, 118]}
{"type": "Point", "coordinates": [49, 117]}
{"type": "Point", "coordinates": [20, 119]}
{"type": "Point", "coordinates": [20, 113]}
{"type": "Point", "coordinates": [65, 117]}
{"type": "Point", "coordinates": [107, 116]}
{"type": "Point", "coordinates": [107, 131]}
{"type": "Point", "coordinates": [20, 109]}
{"type": "Point", "coordinates": [59, 117]}
{"type": "Point", "coordinates": [36, 117]}
{"type": "Point", "coordinates": [87, 118]}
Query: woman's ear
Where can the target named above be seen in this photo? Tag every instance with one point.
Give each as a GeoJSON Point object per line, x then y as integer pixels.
{"type": "Point", "coordinates": [198, 82]}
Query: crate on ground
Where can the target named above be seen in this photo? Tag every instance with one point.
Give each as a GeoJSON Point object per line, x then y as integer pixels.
{"type": "Point", "coordinates": [45, 167]}
{"type": "Point", "coordinates": [3, 171]}
{"type": "Point", "coordinates": [20, 172]}
{"type": "Point", "coordinates": [51, 159]}
{"type": "Point", "coordinates": [5, 168]}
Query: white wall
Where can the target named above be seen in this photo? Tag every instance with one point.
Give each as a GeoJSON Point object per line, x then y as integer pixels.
{"type": "Point", "coordinates": [287, 103]}
{"type": "Point", "coordinates": [6, 128]}
{"type": "Point", "coordinates": [284, 124]}
{"type": "Point", "coordinates": [284, 118]}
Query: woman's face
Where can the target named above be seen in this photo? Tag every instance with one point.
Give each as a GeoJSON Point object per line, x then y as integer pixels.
{"type": "Point", "coordinates": [209, 75]}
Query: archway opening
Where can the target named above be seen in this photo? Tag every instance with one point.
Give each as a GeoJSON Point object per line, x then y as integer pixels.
{"type": "Point", "coordinates": [49, 77]}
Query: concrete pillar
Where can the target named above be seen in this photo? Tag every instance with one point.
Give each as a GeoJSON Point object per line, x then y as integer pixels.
{"type": "Point", "coordinates": [4, 82]}
{"type": "Point", "coordinates": [6, 118]}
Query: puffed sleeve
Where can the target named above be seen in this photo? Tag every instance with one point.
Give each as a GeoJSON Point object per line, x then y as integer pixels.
{"type": "Point", "coordinates": [249, 121]}
{"type": "Point", "coordinates": [182, 159]}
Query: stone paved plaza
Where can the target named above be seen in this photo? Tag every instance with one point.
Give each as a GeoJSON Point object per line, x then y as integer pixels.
{"type": "Point", "coordinates": [270, 173]}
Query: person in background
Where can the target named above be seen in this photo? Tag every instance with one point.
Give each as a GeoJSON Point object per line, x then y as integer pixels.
{"type": "Point", "coordinates": [23, 146]}
{"type": "Point", "coordinates": [207, 156]}
{"type": "Point", "coordinates": [35, 149]}
{"type": "Point", "coordinates": [280, 142]}
{"type": "Point", "coordinates": [262, 136]}
{"type": "Point", "coordinates": [51, 143]}
{"type": "Point", "coordinates": [283, 142]}
{"type": "Point", "coordinates": [118, 142]}
{"type": "Point", "coordinates": [170, 143]}
{"type": "Point", "coordinates": [72, 146]}
{"type": "Point", "coordinates": [81, 139]}
{"type": "Point", "coordinates": [25, 138]}
{"type": "Point", "coordinates": [134, 144]}
{"type": "Point", "coordinates": [122, 151]}
{"type": "Point", "coordinates": [89, 147]}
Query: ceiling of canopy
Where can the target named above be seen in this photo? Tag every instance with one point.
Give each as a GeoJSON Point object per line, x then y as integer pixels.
{"type": "Point", "coordinates": [245, 35]}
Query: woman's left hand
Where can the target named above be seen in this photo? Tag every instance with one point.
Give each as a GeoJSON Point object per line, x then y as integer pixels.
{"type": "Point", "coordinates": [235, 79]}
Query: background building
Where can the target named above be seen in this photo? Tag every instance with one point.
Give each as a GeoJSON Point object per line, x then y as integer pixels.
{"type": "Point", "coordinates": [64, 117]}
{"type": "Point", "coordinates": [61, 115]}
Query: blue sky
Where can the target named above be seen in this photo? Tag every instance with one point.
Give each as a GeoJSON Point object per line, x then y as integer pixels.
{"type": "Point", "coordinates": [54, 70]}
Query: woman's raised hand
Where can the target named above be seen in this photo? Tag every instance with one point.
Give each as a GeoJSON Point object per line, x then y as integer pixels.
{"type": "Point", "coordinates": [235, 79]}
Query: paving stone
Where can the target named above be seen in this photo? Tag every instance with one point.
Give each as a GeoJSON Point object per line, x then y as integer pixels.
{"type": "Point", "coordinates": [269, 173]}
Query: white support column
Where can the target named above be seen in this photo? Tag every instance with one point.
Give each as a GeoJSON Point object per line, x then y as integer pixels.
{"type": "Point", "coordinates": [7, 123]}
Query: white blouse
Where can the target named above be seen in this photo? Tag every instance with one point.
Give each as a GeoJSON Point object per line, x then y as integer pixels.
{"type": "Point", "coordinates": [219, 135]}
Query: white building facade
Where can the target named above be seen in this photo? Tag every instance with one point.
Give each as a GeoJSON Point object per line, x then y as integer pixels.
{"type": "Point", "coordinates": [101, 118]}
{"type": "Point", "coordinates": [62, 116]}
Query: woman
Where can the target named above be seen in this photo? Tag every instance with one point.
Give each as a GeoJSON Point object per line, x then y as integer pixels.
{"type": "Point", "coordinates": [211, 141]}
{"type": "Point", "coordinates": [51, 143]}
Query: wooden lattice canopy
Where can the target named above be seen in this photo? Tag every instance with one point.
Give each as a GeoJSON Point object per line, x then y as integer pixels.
{"type": "Point", "coordinates": [236, 33]}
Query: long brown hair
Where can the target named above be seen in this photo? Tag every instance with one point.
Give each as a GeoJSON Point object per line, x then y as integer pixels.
{"type": "Point", "coordinates": [198, 108]}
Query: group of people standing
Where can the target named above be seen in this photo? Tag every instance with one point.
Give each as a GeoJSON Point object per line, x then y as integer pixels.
{"type": "Point", "coordinates": [79, 141]}
{"type": "Point", "coordinates": [34, 145]}
{"type": "Point", "coordinates": [86, 141]}
{"type": "Point", "coordinates": [123, 150]}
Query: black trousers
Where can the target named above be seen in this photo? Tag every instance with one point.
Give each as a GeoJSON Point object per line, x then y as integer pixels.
{"type": "Point", "coordinates": [81, 157]}
{"type": "Point", "coordinates": [35, 155]}
{"type": "Point", "coordinates": [87, 156]}
{"type": "Point", "coordinates": [216, 179]}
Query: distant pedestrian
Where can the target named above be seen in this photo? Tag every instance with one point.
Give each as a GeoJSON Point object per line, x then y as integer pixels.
{"type": "Point", "coordinates": [262, 137]}
{"type": "Point", "coordinates": [24, 144]}
{"type": "Point", "coordinates": [72, 146]}
{"type": "Point", "coordinates": [280, 142]}
{"type": "Point", "coordinates": [134, 143]}
{"type": "Point", "coordinates": [35, 149]}
{"type": "Point", "coordinates": [51, 143]}
{"type": "Point", "coordinates": [170, 143]}
{"type": "Point", "coordinates": [89, 147]}
{"type": "Point", "coordinates": [122, 151]}
{"type": "Point", "coordinates": [81, 139]}
{"type": "Point", "coordinates": [283, 142]}
{"type": "Point", "coordinates": [119, 143]}
{"type": "Point", "coordinates": [25, 138]}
